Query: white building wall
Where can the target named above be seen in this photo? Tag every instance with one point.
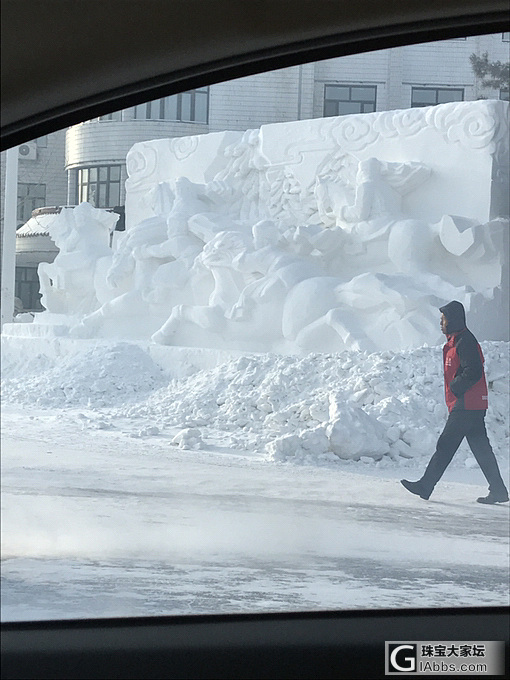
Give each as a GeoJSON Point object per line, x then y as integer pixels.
{"type": "Point", "coordinates": [306, 76]}
{"type": "Point", "coordinates": [253, 101]}
{"type": "Point", "coordinates": [447, 64]}
{"type": "Point", "coordinates": [391, 91]}
{"type": "Point", "coordinates": [396, 71]}
{"type": "Point", "coordinates": [360, 69]}
{"type": "Point", "coordinates": [47, 169]}
{"type": "Point", "coordinates": [440, 64]}
{"type": "Point", "coordinates": [107, 142]}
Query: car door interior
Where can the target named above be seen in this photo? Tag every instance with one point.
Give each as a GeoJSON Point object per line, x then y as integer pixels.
{"type": "Point", "coordinates": [64, 62]}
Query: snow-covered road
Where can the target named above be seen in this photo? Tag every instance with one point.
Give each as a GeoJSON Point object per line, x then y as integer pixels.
{"type": "Point", "coordinates": [97, 522]}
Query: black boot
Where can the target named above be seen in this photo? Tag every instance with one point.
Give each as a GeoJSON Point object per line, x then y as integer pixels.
{"type": "Point", "coordinates": [493, 498]}
{"type": "Point", "coordinates": [416, 488]}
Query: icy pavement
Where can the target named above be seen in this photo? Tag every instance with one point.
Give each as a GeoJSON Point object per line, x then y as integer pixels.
{"type": "Point", "coordinates": [100, 523]}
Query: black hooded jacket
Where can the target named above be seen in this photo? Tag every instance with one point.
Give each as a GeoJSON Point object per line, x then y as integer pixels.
{"type": "Point", "coordinates": [464, 378]}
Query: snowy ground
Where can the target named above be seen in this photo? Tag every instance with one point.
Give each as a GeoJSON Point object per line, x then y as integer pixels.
{"type": "Point", "coordinates": [128, 490]}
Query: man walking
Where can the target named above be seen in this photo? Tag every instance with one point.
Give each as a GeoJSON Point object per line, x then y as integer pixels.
{"type": "Point", "coordinates": [466, 399]}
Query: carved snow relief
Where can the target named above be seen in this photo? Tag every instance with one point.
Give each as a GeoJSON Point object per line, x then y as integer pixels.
{"type": "Point", "coordinates": [317, 235]}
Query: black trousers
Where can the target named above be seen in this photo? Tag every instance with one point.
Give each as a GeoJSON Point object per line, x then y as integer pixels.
{"type": "Point", "coordinates": [460, 424]}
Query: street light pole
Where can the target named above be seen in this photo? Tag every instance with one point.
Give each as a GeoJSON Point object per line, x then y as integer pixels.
{"type": "Point", "coordinates": [9, 236]}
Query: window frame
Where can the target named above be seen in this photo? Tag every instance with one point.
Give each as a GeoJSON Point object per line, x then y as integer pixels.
{"type": "Point", "coordinates": [354, 100]}
{"type": "Point", "coordinates": [161, 106]}
{"type": "Point", "coordinates": [31, 285]}
{"type": "Point", "coordinates": [83, 180]}
{"type": "Point", "coordinates": [113, 117]}
{"type": "Point", "coordinates": [437, 89]}
{"type": "Point", "coordinates": [24, 213]}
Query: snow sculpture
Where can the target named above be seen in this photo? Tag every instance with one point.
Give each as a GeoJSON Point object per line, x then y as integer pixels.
{"type": "Point", "coordinates": [133, 270]}
{"type": "Point", "coordinates": [74, 283]}
{"type": "Point", "coordinates": [379, 232]}
{"type": "Point", "coordinates": [317, 235]}
{"type": "Point", "coordinates": [277, 270]}
{"type": "Point", "coordinates": [209, 319]}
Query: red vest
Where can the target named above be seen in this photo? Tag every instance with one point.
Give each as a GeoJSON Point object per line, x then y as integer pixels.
{"type": "Point", "coordinates": [475, 398]}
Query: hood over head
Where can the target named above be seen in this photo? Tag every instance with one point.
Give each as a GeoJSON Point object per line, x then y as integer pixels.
{"type": "Point", "coordinates": [455, 316]}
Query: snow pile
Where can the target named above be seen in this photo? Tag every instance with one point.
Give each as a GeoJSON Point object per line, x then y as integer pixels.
{"type": "Point", "coordinates": [189, 438]}
{"type": "Point", "coordinates": [315, 409]}
{"type": "Point", "coordinates": [352, 405]}
{"type": "Point", "coordinates": [104, 375]}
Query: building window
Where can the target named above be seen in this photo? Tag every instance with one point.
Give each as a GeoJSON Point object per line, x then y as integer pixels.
{"type": "Point", "coordinates": [503, 94]}
{"type": "Point", "coordinates": [99, 186]}
{"type": "Point", "coordinates": [116, 115]}
{"type": "Point", "coordinates": [430, 96]}
{"type": "Point", "coordinates": [191, 107]}
{"type": "Point", "coordinates": [30, 197]}
{"type": "Point", "coordinates": [506, 36]}
{"type": "Point", "coordinates": [340, 100]}
{"type": "Point", "coordinates": [27, 288]}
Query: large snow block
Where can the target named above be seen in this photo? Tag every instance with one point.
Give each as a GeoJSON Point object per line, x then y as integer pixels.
{"type": "Point", "coordinates": [199, 158]}
{"type": "Point", "coordinates": [464, 144]}
{"type": "Point", "coordinates": [310, 236]}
